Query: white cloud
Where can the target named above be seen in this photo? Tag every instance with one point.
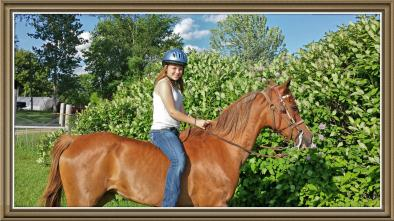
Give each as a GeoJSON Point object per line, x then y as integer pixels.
{"type": "Point", "coordinates": [184, 26]}
{"type": "Point", "coordinates": [80, 70]}
{"type": "Point", "coordinates": [188, 30]}
{"type": "Point", "coordinates": [188, 48]}
{"type": "Point", "coordinates": [214, 18]}
{"type": "Point", "coordinates": [195, 34]}
{"type": "Point", "coordinates": [86, 36]}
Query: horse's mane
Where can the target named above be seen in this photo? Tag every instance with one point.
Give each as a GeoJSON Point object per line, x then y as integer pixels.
{"type": "Point", "coordinates": [233, 120]}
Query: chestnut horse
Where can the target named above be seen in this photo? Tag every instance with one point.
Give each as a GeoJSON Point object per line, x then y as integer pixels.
{"type": "Point", "coordinates": [91, 168]}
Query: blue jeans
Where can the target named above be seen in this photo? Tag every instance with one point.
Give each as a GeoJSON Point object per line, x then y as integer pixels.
{"type": "Point", "coordinates": [167, 140]}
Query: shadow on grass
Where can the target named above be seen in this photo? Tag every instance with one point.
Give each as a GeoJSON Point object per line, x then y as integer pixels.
{"type": "Point", "coordinates": [36, 118]}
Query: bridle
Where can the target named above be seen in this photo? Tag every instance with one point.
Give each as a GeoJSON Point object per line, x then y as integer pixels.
{"type": "Point", "coordinates": [283, 108]}
{"type": "Point", "coordinates": [292, 124]}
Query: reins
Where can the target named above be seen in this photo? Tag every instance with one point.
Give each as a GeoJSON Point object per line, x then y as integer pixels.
{"type": "Point", "coordinates": [250, 152]}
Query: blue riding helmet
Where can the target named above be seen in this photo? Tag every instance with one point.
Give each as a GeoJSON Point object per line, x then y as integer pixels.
{"type": "Point", "coordinates": [175, 56]}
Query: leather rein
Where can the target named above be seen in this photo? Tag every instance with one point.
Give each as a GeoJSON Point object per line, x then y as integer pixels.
{"type": "Point", "coordinates": [273, 107]}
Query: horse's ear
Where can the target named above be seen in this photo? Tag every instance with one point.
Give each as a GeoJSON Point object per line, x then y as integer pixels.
{"type": "Point", "coordinates": [271, 83]}
{"type": "Point", "coordinates": [284, 88]}
{"type": "Point", "coordinates": [287, 83]}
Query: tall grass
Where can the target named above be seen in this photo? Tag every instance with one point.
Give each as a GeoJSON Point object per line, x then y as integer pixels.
{"type": "Point", "coordinates": [30, 178]}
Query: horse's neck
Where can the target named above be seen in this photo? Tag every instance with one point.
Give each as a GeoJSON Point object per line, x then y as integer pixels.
{"type": "Point", "coordinates": [252, 130]}
{"type": "Point", "coordinates": [247, 138]}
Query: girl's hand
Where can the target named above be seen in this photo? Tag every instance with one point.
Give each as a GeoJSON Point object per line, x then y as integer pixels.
{"type": "Point", "coordinates": [202, 123]}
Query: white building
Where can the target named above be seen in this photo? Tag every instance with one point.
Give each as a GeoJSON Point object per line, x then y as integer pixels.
{"type": "Point", "coordinates": [39, 103]}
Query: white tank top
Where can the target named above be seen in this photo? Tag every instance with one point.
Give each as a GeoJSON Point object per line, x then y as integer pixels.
{"type": "Point", "coordinates": [161, 118]}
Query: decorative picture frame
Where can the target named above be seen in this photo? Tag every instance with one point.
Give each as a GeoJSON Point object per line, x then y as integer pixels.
{"type": "Point", "coordinates": [385, 212]}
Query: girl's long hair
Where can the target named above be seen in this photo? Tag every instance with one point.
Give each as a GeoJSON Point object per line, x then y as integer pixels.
{"type": "Point", "coordinates": [163, 73]}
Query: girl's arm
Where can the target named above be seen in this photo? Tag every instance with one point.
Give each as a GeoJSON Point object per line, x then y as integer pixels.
{"type": "Point", "coordinates": [164, 90]}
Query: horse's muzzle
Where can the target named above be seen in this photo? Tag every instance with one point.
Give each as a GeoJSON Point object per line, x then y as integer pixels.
{"type": "Point", "coordinates": [306, 141]}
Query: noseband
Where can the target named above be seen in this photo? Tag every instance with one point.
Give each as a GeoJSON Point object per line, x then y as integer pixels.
{"type": "Point", "coordinates": [292, 123]}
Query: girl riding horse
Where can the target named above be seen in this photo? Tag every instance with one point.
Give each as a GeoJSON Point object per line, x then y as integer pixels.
{"type": "Point", "coordinates": [91, 168]}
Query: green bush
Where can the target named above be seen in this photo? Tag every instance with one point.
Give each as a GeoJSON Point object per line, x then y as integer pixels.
{"type": "Point", "coordinates": [44, 147]}
{"type": "Point", "coordinates": [336, 82]}
{"type": "Point", "coordinates": [209, 88]}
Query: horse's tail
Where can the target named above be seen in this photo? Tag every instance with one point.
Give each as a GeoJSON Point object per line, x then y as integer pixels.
{"type": "Point", "coordinates": [52, 194]}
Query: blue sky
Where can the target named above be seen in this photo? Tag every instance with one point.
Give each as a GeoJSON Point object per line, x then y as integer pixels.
{"type": "Point", "coordinates": [298, 29]}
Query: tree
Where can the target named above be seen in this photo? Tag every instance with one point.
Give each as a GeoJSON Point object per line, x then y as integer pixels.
{"type": "Point", "coordinates": [248, 37]}
{"type": "Point", "coordinates": [58, 53]}
{"type": "Point", "coordinates": [123, 47]}
{"type": "Point", "coordinates": [31, 75]}
{"type": "Point", "coordinates": [82, 90]}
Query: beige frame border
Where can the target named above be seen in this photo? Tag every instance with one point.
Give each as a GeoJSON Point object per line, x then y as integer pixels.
{"type": "Point", "coordinates": [7, 7]}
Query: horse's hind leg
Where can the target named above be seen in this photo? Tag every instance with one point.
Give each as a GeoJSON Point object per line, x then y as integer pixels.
{"type": "Point", "coordinates": [108, 196]}
{"type": "Point", "coordinates": [83, 197]}
{"type": "Point", "coordinates": [81, 192]}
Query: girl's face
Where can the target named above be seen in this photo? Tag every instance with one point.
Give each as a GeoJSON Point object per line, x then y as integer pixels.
{"type": "Point", "coordinates": [174, 71]}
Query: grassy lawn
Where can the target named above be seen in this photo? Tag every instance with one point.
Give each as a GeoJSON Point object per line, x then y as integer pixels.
{"type": "Point", "coordinates": [36, 118]}
{"type": "Point", "coordinates": [30, 178]}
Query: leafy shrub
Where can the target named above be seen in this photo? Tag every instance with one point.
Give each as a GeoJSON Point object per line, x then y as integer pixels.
{"type": "Point", "coordinates": [336, 83]}
{"type": "Point", "coordinates": [128, 114]}
{"type": "Point", "coordinates": [45, 146]}
{"type": "Point", "coordinates": [209, 88]}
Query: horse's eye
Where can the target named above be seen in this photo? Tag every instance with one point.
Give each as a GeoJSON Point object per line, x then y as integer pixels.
{"type": "Point", "coordinates": [295, 108]}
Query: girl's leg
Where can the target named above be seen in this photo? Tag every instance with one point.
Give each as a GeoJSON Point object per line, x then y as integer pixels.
{"type": "Point", "coordinates": [169, 143]}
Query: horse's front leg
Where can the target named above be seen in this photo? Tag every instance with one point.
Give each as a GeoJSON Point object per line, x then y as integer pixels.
{"type": "Point", "coordinates": [220, 204]}
{"type": "Point", "coordinates": [210, 201]}
{"type": "Point", "coordinates": [209, 196]}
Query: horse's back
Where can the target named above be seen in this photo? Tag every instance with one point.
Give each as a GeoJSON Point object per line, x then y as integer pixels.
{"type": "Point", "coordinates": [121, 151]}
{"type": "Point", "coordinates": [108, 142]}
